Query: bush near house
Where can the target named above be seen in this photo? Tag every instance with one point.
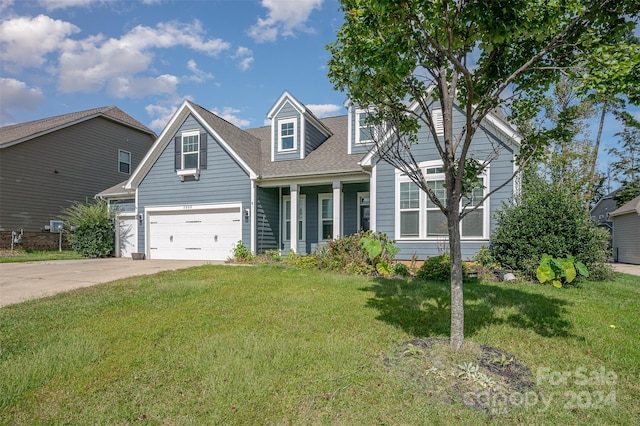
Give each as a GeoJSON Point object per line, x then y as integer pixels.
{"type": "Point", "coordinates": [92, 224]}
{"type": "Point", "coordinates": [547, 219]}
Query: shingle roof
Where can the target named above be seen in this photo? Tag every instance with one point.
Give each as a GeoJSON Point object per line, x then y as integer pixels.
{"type": "Point", "coordinates": [16, 133]}
{"type": "Point", "coordinates": [632, 206]}
{"type": "Point", "coordinates": [246, 145]}
{"type": "Point", "coordinates": [117, 190]}
{"type": "Point", "coordinates": [329, 158]}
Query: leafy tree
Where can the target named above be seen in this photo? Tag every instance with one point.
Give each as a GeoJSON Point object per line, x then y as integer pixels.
{"type": "Point", "coordinates": [92, 225]}
{"type": "Point", "coordinates": [626, 167]}
{"type": "Point", "coordinates": [478, 55]}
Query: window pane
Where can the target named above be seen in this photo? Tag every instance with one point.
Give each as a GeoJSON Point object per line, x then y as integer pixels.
{"type": "Point", "coordinates": [441, 192]}
{"type": "Point", "coordinates": [190, 161]}
{"type": "Point", "coordinates": [286, 129]}
{"type": "Point", "coordinates": [327, 208]}
{"type": "Point", "coordinates": [472, 224]}
{"type": "Point", "coordinates": [327, 230]}
{"type": "Point", "coordinates": [409, 224]}
{"type": "Point", "coordinates": [409, 195]}
{"type": "Point", "coordinates": [365, 134]}
{"type": "Point", "coordinates": [436, 224]}
{"type": "Point", "coordinates": [124, 156]}
{"type": "Point", "coordinates": [124, 167]}
{"type": "Point", "coordinates": [190, 144]}
{"type": "Point", "coordinates": [287, 142]}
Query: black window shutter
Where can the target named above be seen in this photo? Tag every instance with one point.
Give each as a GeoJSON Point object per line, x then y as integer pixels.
{"type": "Point", "coordinates": [203, 150]}
{"type": "Point", "coordinates": [178, 152]}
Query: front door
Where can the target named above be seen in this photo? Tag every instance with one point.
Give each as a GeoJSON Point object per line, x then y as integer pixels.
{"type": "Point", "coordinates": [364, 217]}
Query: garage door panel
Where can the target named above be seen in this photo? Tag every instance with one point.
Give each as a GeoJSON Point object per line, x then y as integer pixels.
{"type": "Point", "coordinates": [200, 235]}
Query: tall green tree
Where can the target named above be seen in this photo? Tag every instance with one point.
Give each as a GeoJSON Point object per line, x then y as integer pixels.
{"type": "Point", "coordinates": [626, 166]}
{"type": "Point", "coordinates": [479, 55]}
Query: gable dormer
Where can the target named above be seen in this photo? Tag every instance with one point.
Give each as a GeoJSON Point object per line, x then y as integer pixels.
{"type": "Point", "coordinates": [360, 137]}
{"type": "Point", "coordinates": [295, 131]}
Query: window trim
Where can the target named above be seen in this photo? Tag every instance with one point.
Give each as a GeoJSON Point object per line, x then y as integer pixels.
{"type": "Point", "coordinates": [422, 229]}
{"type": "Point", "coordinates": [184, 135]}
{"type": "Point", "coordinates": [120, 151]}
{"type": "Point", "coordinates": [282, 121]}
{"type": "Point", "coordinates": [302, 205]}
{"type": "Point", "coordinates": [358, 127]}
{"type": "Point", "coordinates": [321, 197]}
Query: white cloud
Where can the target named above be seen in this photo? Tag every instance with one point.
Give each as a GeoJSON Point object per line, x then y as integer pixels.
{"type": "Point", "coordinates": [93, 63]}
{"type": "Point", "coordinates": [25, 42]}
{"type": "Point", "coordinates": [284, 18]}
{"type": "Point", "coordinates": [245, 56]}
{"type": "Point", "coordinates": [324, 110]}
{"type": "Point", "coordinates": [198, 75]}
{"type": "Point", "coordinates": [63, 4]}
{"type": "Point", "coordinates": [231, 115]}
{"type": "Point", "coordinates": [123, 87]}
{"type": "Point", "coordinates": [17, 95]}
{"type": "Point", "coordinates": [160, 116]}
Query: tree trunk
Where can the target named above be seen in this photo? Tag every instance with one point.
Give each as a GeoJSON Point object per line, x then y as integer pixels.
{"type": "Point", "coordinates": [457, 296]}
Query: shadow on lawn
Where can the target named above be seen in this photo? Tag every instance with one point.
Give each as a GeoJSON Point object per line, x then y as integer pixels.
{"type": "Point", "coordinates": [423, 308]}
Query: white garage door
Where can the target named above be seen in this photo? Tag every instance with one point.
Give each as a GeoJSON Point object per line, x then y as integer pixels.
{"type": "Point", "coordinates": [127, 235]}
{"type": "Point", "coordinates": [202, 235]}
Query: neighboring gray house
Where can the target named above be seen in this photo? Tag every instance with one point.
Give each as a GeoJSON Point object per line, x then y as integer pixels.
{"type": "Point", "coordinates": [47, 164]}
{"type": "Point", "coordinates": [206, 184]}
{"type": "Point", "coordinates": [626, 232]}
{"type": "Point", "coordinates": [602, 209]}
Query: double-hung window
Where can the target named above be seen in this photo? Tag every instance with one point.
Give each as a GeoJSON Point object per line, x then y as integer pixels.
{"type": "Point", "coordinates": [124, 161]}
{"type": "Point", "coordinates": [325, 217]}
{"type": "Point", "coordinates": [190, 150]}
{"type": "Point", "coordinates": [286, 214]}
{"type": "Point", "coordinates": [287, 130]}
{"type": "Point", "coordinates": [364, 129]}
{"type": "Point", "coordinates": [420, 218]}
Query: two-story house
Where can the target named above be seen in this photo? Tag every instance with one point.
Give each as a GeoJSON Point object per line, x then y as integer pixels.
{"type": "Point", "coordinates": [294, 185]}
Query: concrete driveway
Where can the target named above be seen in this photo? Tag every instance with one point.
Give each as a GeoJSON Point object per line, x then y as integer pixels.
{"type": "Point", "coordinates": [31, 280]}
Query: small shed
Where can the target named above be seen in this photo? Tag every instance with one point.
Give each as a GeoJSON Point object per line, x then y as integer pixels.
{"type": "Point", "coordinates": [626, 232]}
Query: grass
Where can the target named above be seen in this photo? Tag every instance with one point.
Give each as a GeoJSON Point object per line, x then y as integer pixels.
{"type": "Point", "coordinates": [271, 345]}
{"type": "Point", "coordinates": [7, 256]}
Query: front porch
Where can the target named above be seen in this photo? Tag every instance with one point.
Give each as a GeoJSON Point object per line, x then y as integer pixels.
{"type": "Point", "coordinates": [322, 210]}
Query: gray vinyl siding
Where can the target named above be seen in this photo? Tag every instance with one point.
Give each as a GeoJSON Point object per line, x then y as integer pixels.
{"type": "Point", "coordinates": [626, 238]}
{"type": "Point", "coordinates": [268, 219]}
{"type": "Point", "coordinates": [287, 112]}
{"type": "Point", "coordinates": [486, 143]}
{"type": "Point", "coordinates": [41, 176]}
{"type": "Point", "coordinates": [350, 206]}
{"type": "Point", "coordinates": [313, 137]}
{"type": "Point", "coordinates": [223, 181]}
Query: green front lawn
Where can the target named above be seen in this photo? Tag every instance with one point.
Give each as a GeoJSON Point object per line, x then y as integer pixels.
{"type": "Point", "coordinates": [271, 345]}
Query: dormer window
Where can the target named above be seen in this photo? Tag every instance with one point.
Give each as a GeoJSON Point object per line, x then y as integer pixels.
{"type": "Point", "coordinates": [287, 134]}
{"type": "Point", "coordinates": [364, 130]}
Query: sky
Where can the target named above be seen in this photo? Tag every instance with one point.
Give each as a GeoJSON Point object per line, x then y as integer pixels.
{"type": "Point", "coordinates": [233, 57]}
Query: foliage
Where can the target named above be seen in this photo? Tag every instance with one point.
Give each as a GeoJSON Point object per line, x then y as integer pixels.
{"type": "Point", "coordinates": [559, 271]}
{"type": "Point", "coordinates": [546, 218]}
{"type": "Point", "coordinates": [438, 268]}
{"type": "Point", "coordinates": [626, 166]}
{"type": "Point", "coordinates": [241, 253]}
{"type": "Point", "coordinates": [92, 225]}
{"type": "Point", "coordinates": [362, 253]}
{"type": "Point", "coordinates": [302, 261]}
{"type": "Point", "coordinates": [400, 270]}
{"type": "Point", "coordinates": [484, 257]}
{"type": "Point", "coordinates": [470, 54]}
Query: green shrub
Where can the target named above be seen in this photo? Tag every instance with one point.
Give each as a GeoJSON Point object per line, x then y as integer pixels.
{"type": "Point", "coordinates": [241, 253]}
{"type": "Point", "coordinates": [438, 268]}
{"type": "Point", "coordinates": [92, 224]}
{"type": "Point", "coordinates": [546, 219]}
{"type": "Point", "coordinates": [308, 261]}
{"type": "Point", "coordinates": [363, 253]}
{"type": "Point", "coordinates": [400, 270]}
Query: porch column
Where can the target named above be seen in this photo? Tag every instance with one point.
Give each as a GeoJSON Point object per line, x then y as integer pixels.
{"type": "Point", "coordinates": [294, 217]}
{"type": "Point", "coordinates": [337, 208]}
